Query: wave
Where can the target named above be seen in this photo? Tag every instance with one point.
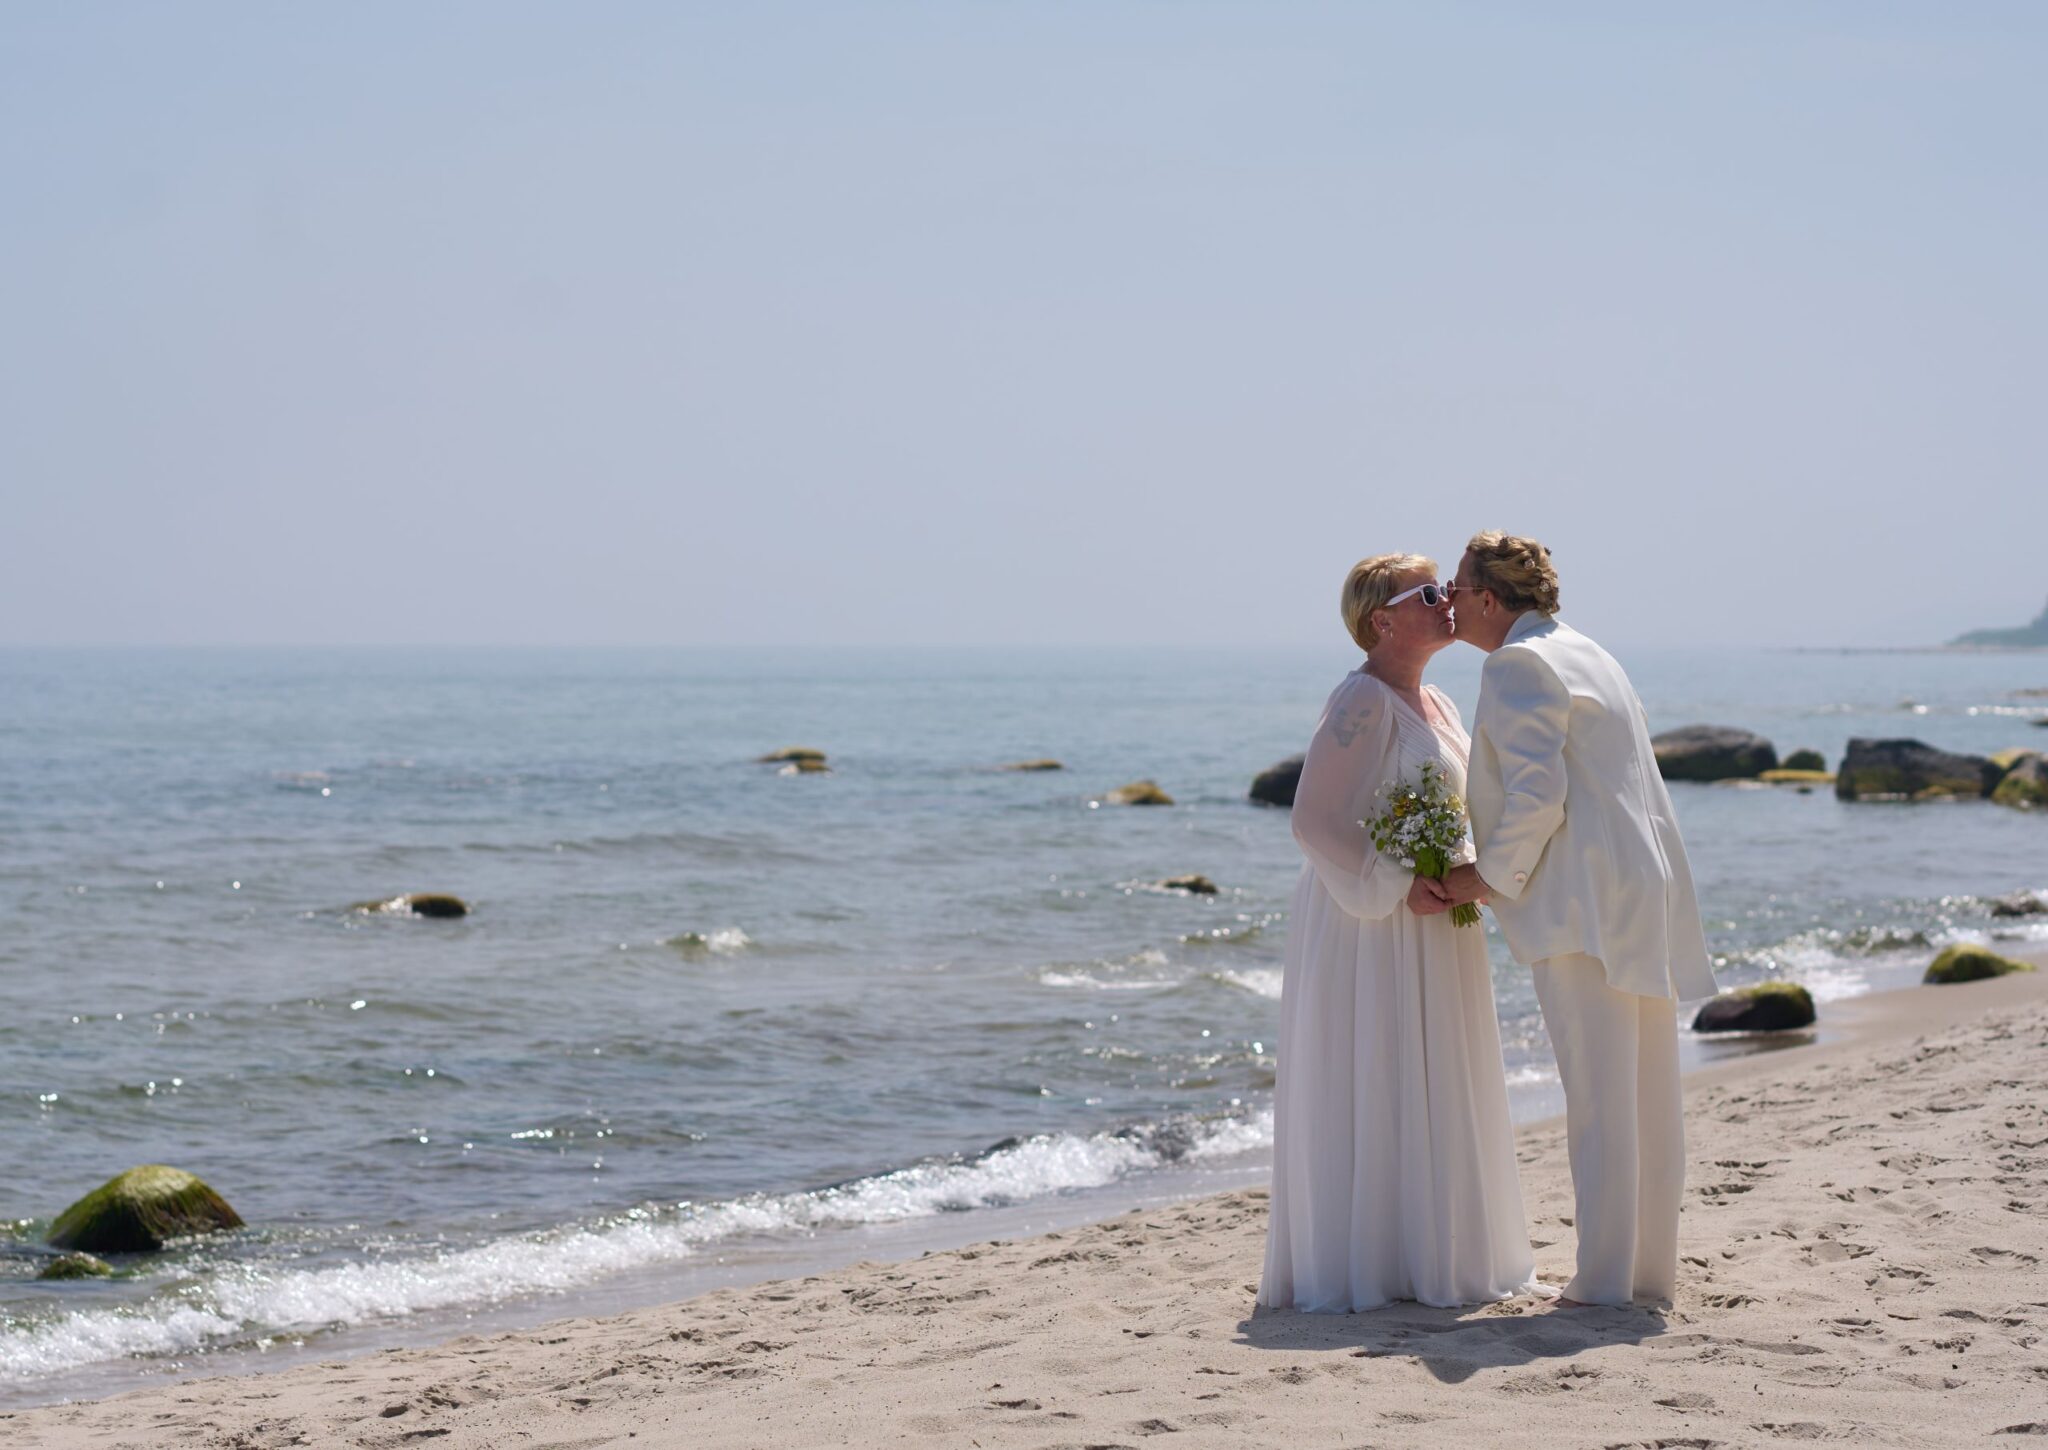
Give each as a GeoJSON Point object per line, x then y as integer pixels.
{"type": "Point", "coordinates": [1260, 981]}
{"type": "Point", "coordinates": [236, 1304]}
{"type": "Point", "coordinates": [1833, 963]}
{"type": "Point", "coordinates": [698, 844]}
{"type": "Point", "coordinates": [1108, 976]}
{"type": "Point", "coordinates": [724, 941]}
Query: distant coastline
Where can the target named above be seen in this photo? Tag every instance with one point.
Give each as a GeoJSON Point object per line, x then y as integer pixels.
{"type": "Point", "coordinates": [2027, 636]}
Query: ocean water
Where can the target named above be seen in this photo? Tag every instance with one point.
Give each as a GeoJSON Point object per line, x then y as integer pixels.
{"type": "Point", "coordinates": [709, 1020]}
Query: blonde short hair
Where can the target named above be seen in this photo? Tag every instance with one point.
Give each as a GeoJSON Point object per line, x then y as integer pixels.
{"type": "Point", "coordinates": [1368, 587]}
{"type": "Point", "coordinates": [1517, 570]}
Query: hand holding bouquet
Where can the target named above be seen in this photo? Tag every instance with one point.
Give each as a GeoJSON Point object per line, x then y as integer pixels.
{"type": "Point", "coordinates": [1423, 825]}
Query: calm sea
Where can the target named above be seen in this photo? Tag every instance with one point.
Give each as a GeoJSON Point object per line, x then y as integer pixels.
{"type": "Point", "coordinates": [709, 1020]}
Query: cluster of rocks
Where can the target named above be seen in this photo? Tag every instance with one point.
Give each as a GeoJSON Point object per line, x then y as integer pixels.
{"type": "Point", "coordinates": [1912, 770]}
{"type": "Point", "coordinates": [1871, 770]}
{"type": "Point", "coordinates": [1788, 1007]}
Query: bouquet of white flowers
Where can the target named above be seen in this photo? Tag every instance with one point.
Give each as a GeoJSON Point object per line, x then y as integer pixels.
{"type": "Point", "coordinates": [1423, 825]}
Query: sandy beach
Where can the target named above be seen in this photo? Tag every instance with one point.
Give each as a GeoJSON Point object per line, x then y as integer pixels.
{"type": "Point", "coordinates": [1865, 1223]}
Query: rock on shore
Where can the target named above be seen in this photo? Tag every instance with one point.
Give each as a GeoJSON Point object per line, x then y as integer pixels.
{"type": "Point", "coordinates": [1970, 964]}
{"type": "Point", "coordinates": [1765, 1007]}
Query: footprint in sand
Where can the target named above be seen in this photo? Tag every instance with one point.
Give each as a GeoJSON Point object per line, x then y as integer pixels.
{"type": "Point", "coordinates": [2005, 1258]}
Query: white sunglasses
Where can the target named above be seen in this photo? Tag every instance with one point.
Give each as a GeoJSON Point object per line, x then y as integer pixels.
{"type": "Point", "coordinates": [1432, 594]}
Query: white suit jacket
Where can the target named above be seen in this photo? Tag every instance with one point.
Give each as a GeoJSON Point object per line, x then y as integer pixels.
{"type": "Point", "coordinates": [1575, 830]}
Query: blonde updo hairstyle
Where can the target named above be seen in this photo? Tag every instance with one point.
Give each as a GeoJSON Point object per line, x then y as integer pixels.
{"type": "Point", "coordinates": [1369, 586]}
{"type": "Point", "coordinates": [1517, 570]}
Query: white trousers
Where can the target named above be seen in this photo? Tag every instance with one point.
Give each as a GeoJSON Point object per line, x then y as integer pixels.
{"type": "Point", "coordinates": [1617, 1055]}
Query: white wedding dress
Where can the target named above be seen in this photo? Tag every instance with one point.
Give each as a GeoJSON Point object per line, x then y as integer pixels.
{"type": "Point", "coordinates": [1393, 1156]}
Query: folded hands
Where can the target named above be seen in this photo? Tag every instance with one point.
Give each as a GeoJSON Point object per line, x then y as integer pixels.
{"type": "Point", "coordinates": [1427, 897]}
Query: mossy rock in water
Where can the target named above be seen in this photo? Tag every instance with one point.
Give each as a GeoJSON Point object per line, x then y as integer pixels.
{"type": "Point", "coordinates": [791, 753]}
{"type": "Point", "coordinates": [1765, 1007]}
{"type": "Point", "coordinates": [1910, 770]}
{"type": "Point", "coordinates": [418, 903]}
{"type": "Point", "coordinates": [76, 1266]}
{"type": "Point", "coordinates": [1034, 765]}
{"type": "Point", "coordinates": [1971, 964]}
{"type": "Point", "coordinates": [137, 1211]}
{"type": "Point", "coordinates": [806, 765]}
{"type": "Point", "coordinates": [1196, 885]}
{"type": "Point", "coordinates": [2025, 785]}
{"type": "Point", "coordinates": [1805, 760]}
{"type": "Point", "coordinates": [1713, 752]}
{"type": "Point", "coordinates": [1790, 776]}
{"type": "Point", "coordinates": [2020, 903]}
{"type": "Point", "coordinates": [1139, 793]}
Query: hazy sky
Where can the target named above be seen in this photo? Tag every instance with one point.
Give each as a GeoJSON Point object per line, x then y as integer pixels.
{"type": "Point", "coordinates": [1014, 323]}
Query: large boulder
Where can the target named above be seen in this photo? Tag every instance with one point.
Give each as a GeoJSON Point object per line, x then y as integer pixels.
{"type": "Point", "coordinates": [1970, 964]}
{"type": "Point", "coordinates": [1139, 793]}
{"type": "Point", "coordinates": [1910, 770]}
{"type": "Point", "coordinates": [418, 903]}
{"type": "Point", "coordinates": [1275, 785]}
{"type": "Point", "coordinates": [1713, 752]}
{"type": "Point", "coordinates": [1765, 1007]}
{"type": "Point", "coordinates": [789, 753]}
{"type": "Point", "coordinates": [2025, 785]}
{"type": "Point", "coordinates": [137, 1211]}
{"type": "Point", "coordinates": [1806, 760]}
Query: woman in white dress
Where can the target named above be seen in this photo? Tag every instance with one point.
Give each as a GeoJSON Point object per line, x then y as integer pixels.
{"type": "Point", "coordinates": [1393, 1157]}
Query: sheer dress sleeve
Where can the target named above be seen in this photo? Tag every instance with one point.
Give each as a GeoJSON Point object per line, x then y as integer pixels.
{"type": "Point", "coordinates": [1352, 753]}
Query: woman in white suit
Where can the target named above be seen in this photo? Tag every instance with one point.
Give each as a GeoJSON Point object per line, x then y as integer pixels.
{"type": "Point", "coordinates": [1580, 855]}
{"type": "Point", "coordinates": [1393, 1157]}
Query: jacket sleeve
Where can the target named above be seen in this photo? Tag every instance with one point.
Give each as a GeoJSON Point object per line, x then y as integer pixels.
{"type": "Point", "coordinates": [1524, 711]}
{"type": "Point", "coordinates": [1348, 759]}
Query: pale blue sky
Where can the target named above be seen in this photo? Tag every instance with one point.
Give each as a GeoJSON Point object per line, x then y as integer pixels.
{"type": "Point", "coordinates": [1019, 323]}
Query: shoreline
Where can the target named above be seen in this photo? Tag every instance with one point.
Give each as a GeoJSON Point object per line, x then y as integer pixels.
{"type": "Point", "coordinates": [1858, 1030]}
{"type": "Point", "coordinates": [745, 1262]}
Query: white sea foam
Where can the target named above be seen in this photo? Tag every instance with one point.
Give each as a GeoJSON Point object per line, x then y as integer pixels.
{"type": "Point", "coordinates": [723, 941]}
{"type": "Point", "coordinates": [1053, 978]}
{"type": "Point", "coordinates": [1107, 976]}
{"type": "Point", "coordinates": [237, 1303]}
{"type": "Point", "coordinates": [1261, 981]}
